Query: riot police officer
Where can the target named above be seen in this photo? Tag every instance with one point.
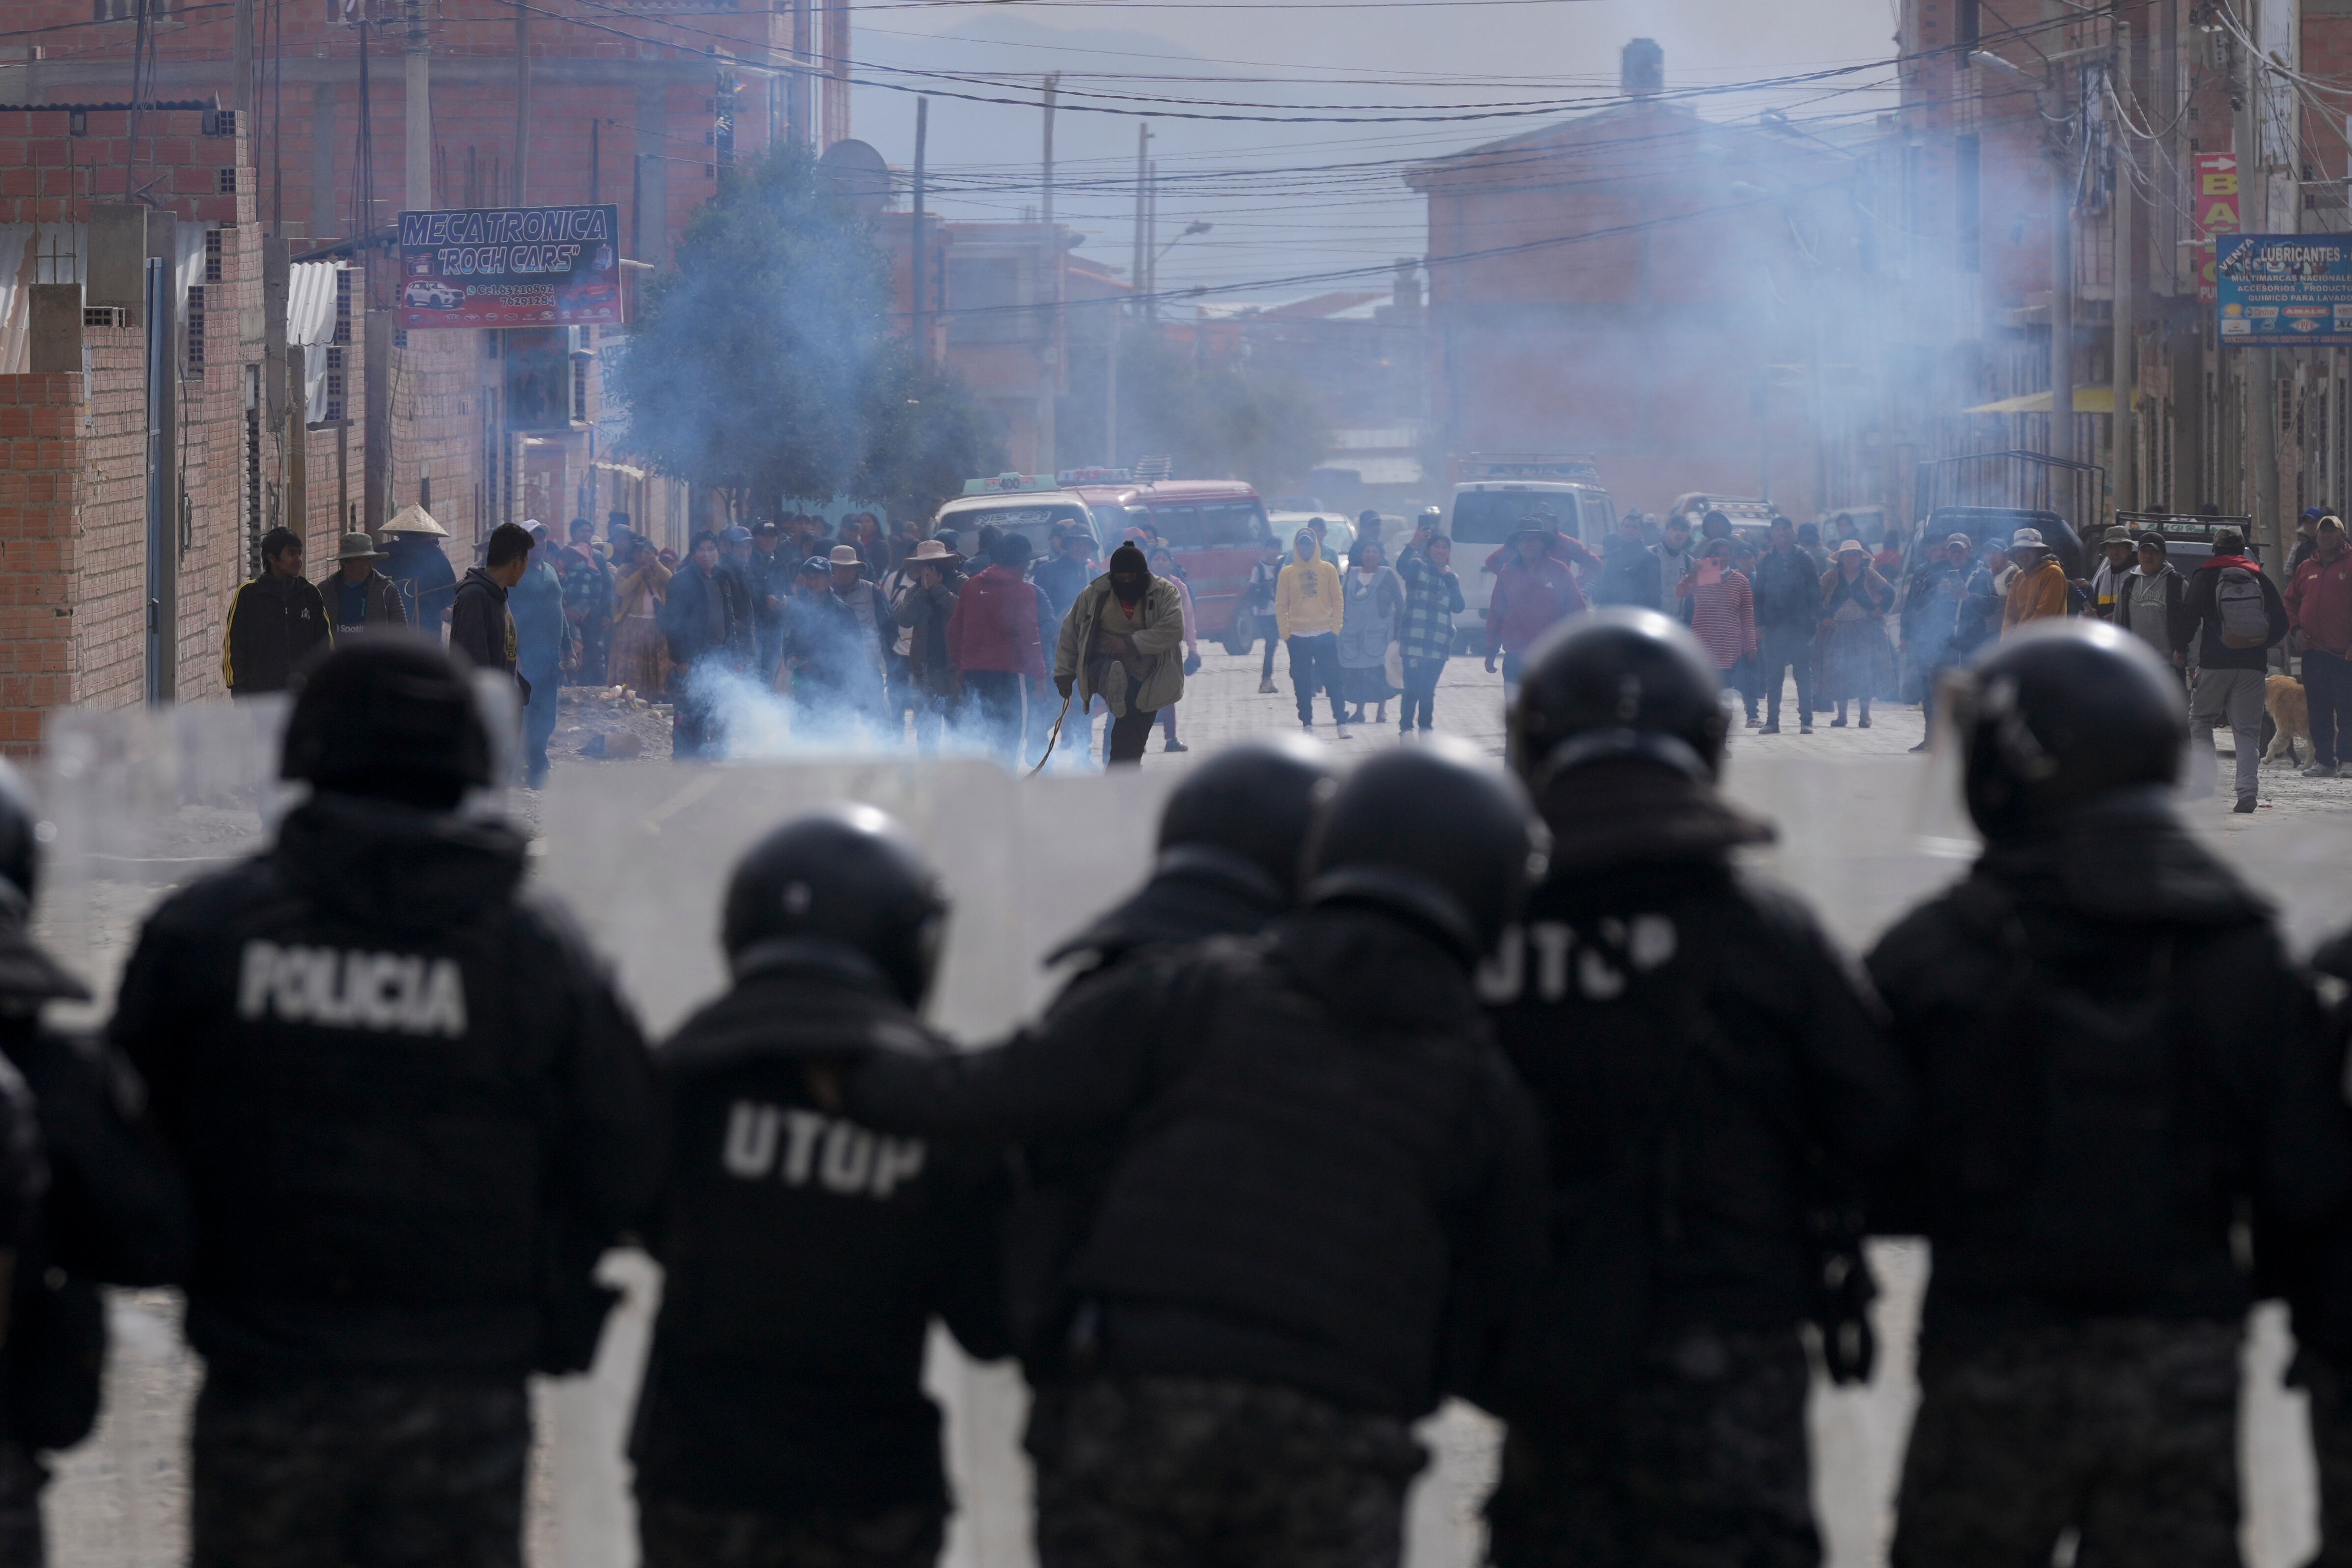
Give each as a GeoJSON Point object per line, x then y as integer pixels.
{"type": "Point", "coordinates": [1230, 839]}
{"type": "Point", "coordinates": [1711, 1078]}
{"type": "Point", "coordinates": [111, 1210]}
{"type": "Point", "coordinates": [1326, 1195]}
{"type": "Point", "coordinates": [410, 1111]}
{"type": "Point", "coordinates": [782, 1420]}
{"type": "Point", "coordinates": [2116, 1062]}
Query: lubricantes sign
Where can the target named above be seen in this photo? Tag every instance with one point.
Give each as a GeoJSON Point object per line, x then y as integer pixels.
{"type": "Point", "coordinates": [510, 266]}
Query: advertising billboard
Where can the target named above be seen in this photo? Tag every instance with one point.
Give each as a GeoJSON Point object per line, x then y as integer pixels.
{"type": "Point", "coordinates": [510, 266]}
{"type": "Point", "coordinates": [2215, 212]}
{"type": "Point", "coordinates": [2285, 290]}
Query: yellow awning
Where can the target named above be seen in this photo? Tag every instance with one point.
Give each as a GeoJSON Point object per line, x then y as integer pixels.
{"type": "Point", "coordinates": [2087, 400]}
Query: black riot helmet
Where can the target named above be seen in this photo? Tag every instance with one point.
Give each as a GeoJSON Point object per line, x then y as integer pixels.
{"type": "Point", "coordinates": [20, 854]}
{"type": "Point", "coordinates": [2059, 715]}
{"type": "Point", "coordinates": [1436, 833]}
{"type": "Point", "coordinates": [843, 877]}
{"type": "Point", "coordinates": [390, 717]}
{"type": "Point", "coordinates": [1251, 804]}
{"type": "Point", "coordinates": [1620, 682]}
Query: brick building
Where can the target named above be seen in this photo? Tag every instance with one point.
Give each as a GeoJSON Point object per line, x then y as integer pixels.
{"type": "Point", "coordinates": [75, 555]}
{"type": "Point", "coordinates": [365, 107]}
{"type": "Point", "coordinates": [2025, 126]}
{"type": "Point", "coordinates": [1698, 305]}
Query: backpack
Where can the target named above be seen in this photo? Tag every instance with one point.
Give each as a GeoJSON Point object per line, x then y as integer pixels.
{"type": "Point", "coordinates": [2238, 605]}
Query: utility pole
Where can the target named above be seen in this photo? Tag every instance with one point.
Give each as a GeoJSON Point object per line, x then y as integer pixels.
{"type": "Point", "coordinates": [2061, 252]}
{"type": "Point", "coordinates": [1142, 168]}
{"type": "Point", "coordinates": [1050, 434]}
{"type": "Point", "coordinates": [1151, 245]}
{"type": "Point", "coordinates": [1053, 81]}
{"type": "Point", "coordinates": [417, 114]}
{"type": "Point", "coordinates": [2123, 457]}
{"type": "Point", "coordinates": [2062, 311]}
{"type": "Point", "coordinates": [522, 106]}
{"type": "Point", "coordinates": [241, 89]}
{"type": "Point", "coordinates": [917, 281]}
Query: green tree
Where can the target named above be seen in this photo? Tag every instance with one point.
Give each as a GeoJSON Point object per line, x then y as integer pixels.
{"type": "Point", "coordinates": [765, 361]}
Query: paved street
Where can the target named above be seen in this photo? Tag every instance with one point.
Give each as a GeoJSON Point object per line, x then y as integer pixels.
{"type": "Point", "coordinates": [1223, 704]}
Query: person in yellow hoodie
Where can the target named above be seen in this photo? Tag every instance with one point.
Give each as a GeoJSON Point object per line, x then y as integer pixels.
{"type": "Point", "coordinates": [1306, 614]}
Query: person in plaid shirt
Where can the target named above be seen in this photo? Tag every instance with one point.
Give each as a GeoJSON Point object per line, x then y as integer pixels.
{"type": "Point", "coordinates": [1433, 596]}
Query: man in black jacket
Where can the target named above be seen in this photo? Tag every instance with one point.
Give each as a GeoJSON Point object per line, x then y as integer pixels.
{"type": "Point", "coordinates": [115, 1211]}
{"type": "Point", "coordinates": [481, 626]}
{"type": "Point", "coordinates": [1327, 1197]}
{"type": "Point", "coordinates": [782, 1418]}
{"type": "Point", "coordinates": [2096, 1117]}
{"type": "Point", "coordinates": [275, 622]}
{"type": "Point", "coordinates": [1788, 610]}
{"type": "Point", "coordinates": [2236, 616]}
{"type": "Point", "coordinates": [702, 616]}
{"type": "Point", "coordinates": [1712, 1080]}
{"type": "Point", "coordinates": [410, 1112]}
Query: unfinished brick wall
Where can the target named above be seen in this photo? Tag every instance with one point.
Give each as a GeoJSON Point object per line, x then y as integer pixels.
{"type": "Point", "coordinates": [40, 487]}
{"type": "Point", "coordinates": [73, 485]}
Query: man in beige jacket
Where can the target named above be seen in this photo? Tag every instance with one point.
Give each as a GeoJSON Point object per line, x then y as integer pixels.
{"type": "Point", "coordinates": [1123, 641]}
{"type": "Point", "coordinates": [1306, 615]}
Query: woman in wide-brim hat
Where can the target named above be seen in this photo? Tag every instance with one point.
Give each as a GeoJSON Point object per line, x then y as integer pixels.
{"type": "Point", "coordinates": [1857, 660]}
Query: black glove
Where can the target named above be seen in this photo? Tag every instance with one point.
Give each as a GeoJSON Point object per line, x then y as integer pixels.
{"type": "Point", "coordinates": [1192, 664]}
{"type": "Point", "coordinates": [1065, 684]}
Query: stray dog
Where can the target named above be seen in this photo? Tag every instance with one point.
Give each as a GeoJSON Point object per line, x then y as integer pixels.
{"type": "Point", "coordinates": [2290, 710]}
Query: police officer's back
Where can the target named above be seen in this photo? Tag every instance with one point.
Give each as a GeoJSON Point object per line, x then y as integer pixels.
{"type": "Point", "coordinates": [805, 1255]}
{"type": "Point", "coordinates": [410, 1111]}
{"type": "Point", "coordinates": [113, 1210]}
{"type": "Point", "coordinates": [1227, 856]}
{"type": "Point", "coordinates": [1327, 1193]}
{"type": "Point", "coordinates": [1707, 1070]}
{"type": "Point", "coordinates": [2116, 1064]}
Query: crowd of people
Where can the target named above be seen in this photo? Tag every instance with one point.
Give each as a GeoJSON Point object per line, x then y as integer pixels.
{"type": "Point", "coordinates": [898, 637]}
{"type": "Point", "coordinates": [1427, 1080]}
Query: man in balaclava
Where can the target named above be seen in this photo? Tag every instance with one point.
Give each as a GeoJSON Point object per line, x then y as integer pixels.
{"type": "Point", "coordinates": [1122, 641]}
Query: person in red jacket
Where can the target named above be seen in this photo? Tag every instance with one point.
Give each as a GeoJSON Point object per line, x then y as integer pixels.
{"type": "Point", "coordinates": [994, 640]}
{"type": "Point", "coordinates": [2319, 607]}
{"type": "Point", "coordinates": [1533, 593]}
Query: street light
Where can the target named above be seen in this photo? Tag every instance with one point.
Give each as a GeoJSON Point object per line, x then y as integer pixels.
{"type": "Point", "coordinates": [1195, 227]}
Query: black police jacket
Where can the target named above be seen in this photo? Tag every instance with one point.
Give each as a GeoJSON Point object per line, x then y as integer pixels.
{"type": "Point", "coordinates": [2116, 1061]}
{"type": "Point", "coordinates": [1326, 1178]}
{"type": "Point", "coordinates": [1710, 1073]}
{"type": "Point", "coordinates": [274, 623]}
{"type": "Point", "coordinates": [409, 1106]}
{"type": "Point", "coordinates": [113, 1209]}
{"type": "Point", "coordinates": [805, 1255]}
{"type": "Point", "coordinates": [1194, 893]}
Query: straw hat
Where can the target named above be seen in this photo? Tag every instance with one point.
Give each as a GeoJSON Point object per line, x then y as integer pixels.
{"type": "Point", "coordinates": [932, 550]}
{"type": "Point", "coordinates": [1851, 547]}
{"type": "Point", "coordinates": [846, 555]}
{"type": "Point", "coordinates": [414, 520]}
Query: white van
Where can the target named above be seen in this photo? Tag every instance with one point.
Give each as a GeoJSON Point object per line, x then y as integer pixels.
{"type": "Point", "coordinates": [1486, 514]}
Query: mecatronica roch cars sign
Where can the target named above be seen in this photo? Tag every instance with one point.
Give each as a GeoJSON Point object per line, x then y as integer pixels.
{"type": "Point", "coordinates": [510, 266]}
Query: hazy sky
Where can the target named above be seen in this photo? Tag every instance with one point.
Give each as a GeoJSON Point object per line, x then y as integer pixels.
{"type": "Point", "coordinates": [1291, 198]}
